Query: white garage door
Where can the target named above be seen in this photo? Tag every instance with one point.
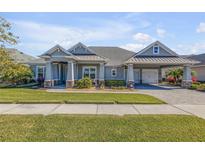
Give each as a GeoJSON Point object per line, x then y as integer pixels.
{"type": "Point", "coordinates": [150, 76]}
{"type": "Point", "coordinates": [136, 75]}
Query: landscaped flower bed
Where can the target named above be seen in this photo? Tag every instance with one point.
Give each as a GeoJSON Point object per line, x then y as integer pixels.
{"type": "Point", "coordinates": [198, 86]}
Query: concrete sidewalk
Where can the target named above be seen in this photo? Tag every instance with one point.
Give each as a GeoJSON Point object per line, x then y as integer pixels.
{"type": "Point", "coordinates": [113, 109]}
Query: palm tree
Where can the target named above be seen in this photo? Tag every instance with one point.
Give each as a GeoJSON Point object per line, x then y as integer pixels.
{"type": "Point", "coordinates": [176, 74]}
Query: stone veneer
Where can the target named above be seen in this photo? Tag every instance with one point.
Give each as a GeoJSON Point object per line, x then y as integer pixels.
{"type": "Point", "coordinates": [70, 83]}
{"type": "Point", "coordinates": [186, 83]}
{"type": "Point", "coordinates": [130, 84]}
{"type": "Point", "coordinates": [48, 83]}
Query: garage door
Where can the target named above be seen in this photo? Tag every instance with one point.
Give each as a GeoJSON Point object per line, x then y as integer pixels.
{"type": "Point", "coordinates": [136, 75]}
{"type": "Point", "coordinates": [150, 76]}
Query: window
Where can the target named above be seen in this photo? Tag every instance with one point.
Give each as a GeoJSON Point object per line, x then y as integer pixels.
{"type": "Point", "coordinates": [114, 72]}
{"type": "Point", "coordinates": [40, 72]}
{"type": "Point", "coordinates": [156, 49]}
{"type": "Point", "coordinates": [89, 71]}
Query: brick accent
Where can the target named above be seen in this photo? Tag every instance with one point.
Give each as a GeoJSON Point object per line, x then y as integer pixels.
{"type": "Point", "coordinates": [70, 83]}
{"type": "Point", "coordinates": [48, 83]}
{"type": "Point", "coordinates": [130, 84]}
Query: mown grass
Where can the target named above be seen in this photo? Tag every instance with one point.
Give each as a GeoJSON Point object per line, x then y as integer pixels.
{"type": "Point", "coordinates": [101, 128]}
{"type": "Point", "coordinates": [22, 95]}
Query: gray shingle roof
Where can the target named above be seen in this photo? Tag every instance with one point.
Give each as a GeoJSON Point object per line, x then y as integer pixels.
{"type": "Point", "coordinates": [160, 60]}
{"type": "Point", "coordinates": [116, 56]}
{"type": "Point", "coordinates": [19, 56]}
{"type": "Point", "coordinates": [200, 58]}
{"type": "Point", "coordinates": [37, 61]}
{"type": "Point", "coordinates": [89, 58]}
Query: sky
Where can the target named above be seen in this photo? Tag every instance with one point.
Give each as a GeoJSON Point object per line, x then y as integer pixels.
{"type": "Point", "coordinates": [184, 33]}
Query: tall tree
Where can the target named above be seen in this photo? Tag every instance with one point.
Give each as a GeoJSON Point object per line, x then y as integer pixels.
{"type": "Point", "coordinates": [9, 70]}
{"type": "Point", "coordinates": [6, 35]}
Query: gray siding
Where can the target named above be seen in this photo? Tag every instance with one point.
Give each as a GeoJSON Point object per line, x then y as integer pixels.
{"type": "Point", "coordinates": [55, 71]}
{"type": "Point", "coordinates": [81, 50]}
{"type": "Point", "coordinates": [162, 52]}
{"type": "Point", "coordinates": [200, 73]}
{"type": "Point", "coordinates": [59, 53]}
{"type": "Point", "coordinates": [120, 73]}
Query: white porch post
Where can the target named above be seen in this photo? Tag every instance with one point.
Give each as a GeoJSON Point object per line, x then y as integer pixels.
{"type": "Point", "coordinates": [187, 80]}
{"type": "Point", "coordinates": [48, 77]}
{"type": "Point", "coordinates": [101, 75]}
{"type": "Point", "coordinates": [70, 75]}
{"type": "Point", "coordinates": [130, 77]}
{"type": "Point", "coordinates": [36, 72]}
{"type": "Point", "coordinates": [59, 72]}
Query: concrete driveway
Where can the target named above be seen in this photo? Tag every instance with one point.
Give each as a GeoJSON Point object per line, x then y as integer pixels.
{"type": "Point", "coordinates": [173, 95]}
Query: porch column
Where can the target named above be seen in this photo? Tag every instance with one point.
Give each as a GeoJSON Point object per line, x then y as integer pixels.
{"type": "Point", "coordinates": [187, 80]}
{"type": "Point", "coordinates": [70, 75]}
{"type": "Point", "coordinates": [48, 76]}
{"type": "Point", "coordinates": [101, 75]}
{"type": "Point", "coordinates": [160, 75]}
{"type": "Point", "coordinates": [59, 73]}
{"type": "Point", "coordinates": [140, 75]}
{"type": "Point", "coordinates": [36, 72]}
{"type": "Point", "coordinates": [130, 77]}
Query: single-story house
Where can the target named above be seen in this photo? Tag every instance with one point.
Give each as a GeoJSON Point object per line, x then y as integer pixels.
{"type": "Point", "coordinates": [199, 68]}
{"type": "Point", "coordinates": [100, 63]}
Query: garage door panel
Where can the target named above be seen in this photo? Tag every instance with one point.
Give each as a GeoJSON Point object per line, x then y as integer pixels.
{"type": "Point", "coordinates": [150, 76]}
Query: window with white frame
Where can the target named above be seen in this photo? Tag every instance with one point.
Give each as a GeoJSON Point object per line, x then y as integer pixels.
{"type": "Point", "coordinates": [114, 72]}
{"type": "Point", "coordinates": [156, 49]}
{"type": "Point", "coordinates": [89, 71]}
{"type": "Point", "coordinates": [40, 72]}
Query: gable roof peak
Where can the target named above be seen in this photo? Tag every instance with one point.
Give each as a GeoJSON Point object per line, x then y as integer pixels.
{"type": "Point", "coordinates": [161, 45]}
{"type": "Point", "coordinates": [53, 49]}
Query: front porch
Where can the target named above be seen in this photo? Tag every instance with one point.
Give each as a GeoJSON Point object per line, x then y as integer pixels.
{"type": "Point", "coordinates": [65, 74]}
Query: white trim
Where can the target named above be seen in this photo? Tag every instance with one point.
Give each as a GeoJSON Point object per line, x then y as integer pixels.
{"type": "Point", "coordinates": [152, 44]}
{"type": "Point", "coordinates": [153, 50]}
{"type": "Point", "coordinates": [89, 67]}
{"type": "Point", "coordinates": [114, 69]}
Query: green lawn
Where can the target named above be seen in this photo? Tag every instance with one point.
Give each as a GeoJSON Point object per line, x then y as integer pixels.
{"type": "Point", "coordinates": [17, 95]}
{"type": "Point", "coordinates": [101, 128]}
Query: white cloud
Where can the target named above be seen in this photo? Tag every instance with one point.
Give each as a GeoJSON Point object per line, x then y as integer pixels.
{"type": "Point", "coordinates": [39, 37]}
{"type": "Point", "coordinates": [161, 32]}
{"type": "Point", "coordinates": [195, 48]}
{"type": "Point", "coordinates": [142, 37]}
{"type": "Point", "coordinates": [201, 28]}
{"type": "Point", "coordinates": [133, 46]}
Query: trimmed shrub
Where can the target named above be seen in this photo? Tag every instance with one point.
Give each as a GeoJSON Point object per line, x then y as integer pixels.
{"type": "Point", "coordinates": [115, 83]}
{"type": "Point", "coordinates": [84, 83]}
{"type": "Point", "coordinates": [201, 87]}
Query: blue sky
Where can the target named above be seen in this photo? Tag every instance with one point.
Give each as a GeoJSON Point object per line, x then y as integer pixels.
{"type": "Point", "coordinates": [182, 32]}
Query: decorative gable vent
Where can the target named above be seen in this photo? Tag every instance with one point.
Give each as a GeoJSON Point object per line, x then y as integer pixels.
{"type": "Point", "coordinates": [81, 49]}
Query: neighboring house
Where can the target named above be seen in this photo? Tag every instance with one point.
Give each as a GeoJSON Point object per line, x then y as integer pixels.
{"type": "Point", "coordinates": [61, 66]}
{"type": "Point", "coordinates": [200, 67]}
{"type": "Point", "coordinates": [19, 56]}
{"type": "Point", "coordinates": [35, 63]}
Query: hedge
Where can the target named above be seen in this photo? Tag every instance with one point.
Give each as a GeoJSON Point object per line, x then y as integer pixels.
{"type": "Point", "coordinates": [115, 83]}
